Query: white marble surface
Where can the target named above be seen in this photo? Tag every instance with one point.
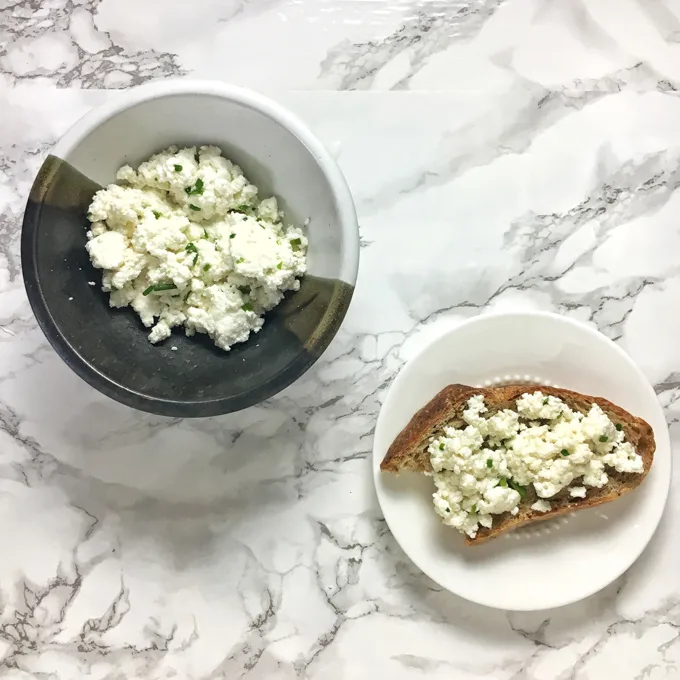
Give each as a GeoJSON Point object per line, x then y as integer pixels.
{"type": "Point", "coordinates": [523, 154]}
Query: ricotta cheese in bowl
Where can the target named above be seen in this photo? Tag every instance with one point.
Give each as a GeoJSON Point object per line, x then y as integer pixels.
{"type": "Point", "coordinates": [185, 241]}
{"type": "Point", "coordinates": [190, 241]}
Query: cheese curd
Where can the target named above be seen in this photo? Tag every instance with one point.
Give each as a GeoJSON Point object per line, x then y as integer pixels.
{"type": "Point", "coordinates": [185, 241]}
{"type": "Point", "coordinates": [486, 467]}
{"type": "Point", "coordinates": [541, 506]}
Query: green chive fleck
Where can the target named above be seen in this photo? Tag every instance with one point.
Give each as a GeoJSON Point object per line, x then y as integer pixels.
{"type": "Point", "coordinates": [240, 259]}
{"type": "Point", "coordinates": [195, 258]}
{"type": "Point", "coordinates": [241, 208]}
{"type": "Point", "coordinates": [503, 482]}
{"type": "Point", "coordinates": [158, 287]}
{"type": "Point", "coordinates": [178, 168]}
{"type": "Point", "coordinates": [441, 446]}
{"type": "Point", "coordinates": [193, 207]}
{"type": "Point", "coordinates": [191, 248]}
{"type": "Point", "coordinates": [604, 438]}
{"type": "Point", "coordinates": [447, 509]}
{"type": "Point", "coordinates": [619, 427]}
{"type": "Point", "coordinates": [196, 190]}
{"type": "Point", "coordinates": [247, 307]}
{"type": "Point", "coordinates": [205, 233]}
{"type": "Point", "coordinates": [564, 452]}
{"type": "Point", "coordinates": [545, 401]}
{"type": "Point", "coordinates": [206, 267]}
{"type": "Point", "coordinates": [156, 214]}
{"type": "Point", "coordinates": [518, 488]}
{"type": "Point", "coordinates": [295, 243]}
{"type": "Point", "coordinates": [489, 463]}
{"type": "Point", "coordinates": [279, 265]}
{"type": "Point", "coordinates": [232, 235]}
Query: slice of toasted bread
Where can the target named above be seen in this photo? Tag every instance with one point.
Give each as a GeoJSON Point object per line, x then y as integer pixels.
{"type": "Point", "coordinates": [409, 452]}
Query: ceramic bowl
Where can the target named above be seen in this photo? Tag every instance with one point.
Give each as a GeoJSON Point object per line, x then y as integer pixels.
{"type": "Point", "coordinates": [109, 347]}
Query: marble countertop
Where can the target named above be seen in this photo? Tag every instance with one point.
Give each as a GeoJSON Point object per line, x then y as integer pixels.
{"type": "Point", "coordinates": [525, 154]}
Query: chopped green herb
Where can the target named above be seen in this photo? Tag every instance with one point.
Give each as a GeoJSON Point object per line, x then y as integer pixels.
{"type": "Point", "coordinates": [193, 207]}
{"type": "Point", "coordinates": [195, 258]}
{"type": "Point", "coordinates": [241, 208]}
{"type": "Point", "coordinates": [295, 243]}
{"type": "Point", "coordinates": [191, 248]}
{"type": "Point", "coordinates": [158, 287]}
{"type": "Point", "coordinates": [473, 509]}
{"type": "Point", "coordinates": [503, 482]}
{"type": "Point", "coordinates": [604, 438]}
{"type": "Point", "coordinates": [279, 265]}
{"type": "Point", "coordinates": [156, 214]}
{"type": "Point", "coordinates": [206, 267]}
{"type": "Point", "coordinates": [196, 190]}
{"type": "Point", "coordinates": [178, 168]}
{"type": "Point", "coordinates": [545, 401]}
{"type": "Point", "coordinates": [232, 235]}
{"type": "Point", "coordinates": [240, 259]}
{"type": "Point", "coordinates": [518, 488]}
{"type": "Point", "coordinates": [619, 427]}
{"type": "Point", "coordinates": [489, 463]}
{"type": "Point", "coordinates": [447, 509]}
{"type": "Point", "coordinates": [441, 446]}
{"type": "Point", "coordinates": [564, 452]}
{"type": "Point", "coordinates": [247, 307]}
{"type": "Point", "coordinates": [205, 233]}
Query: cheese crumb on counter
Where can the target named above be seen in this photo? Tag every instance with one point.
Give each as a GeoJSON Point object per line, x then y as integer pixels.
{"type": "Point", "coordinates": [185, 241]}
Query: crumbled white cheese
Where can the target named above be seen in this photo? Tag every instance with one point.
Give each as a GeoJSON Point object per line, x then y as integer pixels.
{"type": "Point", "coordinates": [186, 242]}
{"type": "Point", "coordinates": [541, 506]}
{"type": "Point", "coordinates": [483, 468]}
{"type": "Point", "coordinates": [537, 406]}
{"type": "Point", "coordinates": [107, 251]}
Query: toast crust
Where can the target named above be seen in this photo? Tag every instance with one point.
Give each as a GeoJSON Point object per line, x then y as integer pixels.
{"type": "Point", "coordinates": [408, 452]}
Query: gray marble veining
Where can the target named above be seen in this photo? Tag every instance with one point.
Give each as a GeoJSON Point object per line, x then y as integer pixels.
{"type": "Point", "coordinates": [525, 154]}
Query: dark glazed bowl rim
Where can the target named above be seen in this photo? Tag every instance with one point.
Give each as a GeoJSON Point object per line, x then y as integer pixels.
{"type": "Point", "coordinates": [335, 312]}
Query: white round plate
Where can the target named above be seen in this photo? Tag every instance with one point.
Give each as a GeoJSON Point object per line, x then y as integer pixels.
{"type": "Point", "coordinates": [551, 563]}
